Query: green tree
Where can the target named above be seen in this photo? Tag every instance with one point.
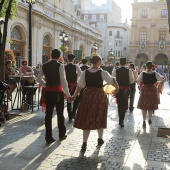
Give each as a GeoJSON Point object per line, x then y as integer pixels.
{"type": "Point", "coordinates": [8, 10]}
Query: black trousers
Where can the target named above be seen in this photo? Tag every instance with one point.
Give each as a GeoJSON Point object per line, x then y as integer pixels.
{"type": "Point", "coordinates": [132, 95]}
{"type": "Point", "coordinates": [54, 99]}
{"type": "Point", "coordinates": [122, 102]}
{"type": "Point", "coordinates": [72, 107]}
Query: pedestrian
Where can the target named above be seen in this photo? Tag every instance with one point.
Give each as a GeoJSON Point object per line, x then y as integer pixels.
{"type": "Point", "coordinates": [124, 77]}
{"type": "Point", "coordinates": [92, 110]}
{"type": "Point", "coordinates": [148, 99]}
{"type": "Point", "coordinates": [9, 70]}
{"type": "Point", "coordinates": [84, 66]}
{"type": "Point", "coordinates": [132, 87]}
{"type": "Point", "coordinates": [55, 83]}
{"type": "Point", "coordinates": [72, 73]}
{"type": "Point", "coordinates": [27, 71]}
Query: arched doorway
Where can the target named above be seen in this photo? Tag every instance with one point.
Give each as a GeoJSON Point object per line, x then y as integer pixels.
{"type": "Point", "coordinates": [161, 59]}
{"type": "Point", "coordinates": [141, 59]}
{"type": "Point", "coordinates": [46, 49]}
{"type": "Point", "coordinates": [17, 45]}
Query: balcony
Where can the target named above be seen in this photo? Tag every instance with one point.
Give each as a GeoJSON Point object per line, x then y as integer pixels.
{"type": "Point", "coordinates": [118, 37]}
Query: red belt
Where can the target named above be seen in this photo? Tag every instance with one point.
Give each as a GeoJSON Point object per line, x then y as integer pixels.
{"type": "Point", "coordinates": [54, 88]}
{"type": "Point", "coordinates": [124, 87]}
{"type": "Point", "coordinates": [71, 86]}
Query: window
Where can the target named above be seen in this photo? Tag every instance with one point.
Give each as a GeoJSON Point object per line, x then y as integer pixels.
{"type": "Point", "coordinates": [144, 13]}
{"type": "Point", "coordinates": [110, 33]}
{"type": "Point", "coordinates": [93, 17]}
{"type": "Point", "coordinates": [85, 17]}
{"type": "Point", "coordinates": [119, 54]}
{"type": "Point", "coordinates": [102, 17]}
{"type": "Point", "coordinates": [143, 36]}
{"type": "Point", "coordinates": [118, 34]}
{"type": "Point", "coordinates": [100, 26]}
{"type": "Point", "coordinates": [16, 34]}
{"type": "Point", "coordinates": [162, 36]}
{"type": "Point", "coordinates": [163, 13]}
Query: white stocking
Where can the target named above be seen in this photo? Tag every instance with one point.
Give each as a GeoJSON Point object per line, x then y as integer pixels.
{"type": "Point", "coordinates": [100, 133]}
{"type": "Point", "coordinates": [85, 135]}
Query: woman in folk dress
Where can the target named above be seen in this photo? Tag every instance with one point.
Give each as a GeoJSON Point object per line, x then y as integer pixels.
{"type": "Point", "coordinates": [92, 110]}
{"type": "Point", "coordinates": [148, 100]}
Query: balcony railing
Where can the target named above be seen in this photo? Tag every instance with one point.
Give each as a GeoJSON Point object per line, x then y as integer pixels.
{"type": "Point", "coordinates": [118, 37]}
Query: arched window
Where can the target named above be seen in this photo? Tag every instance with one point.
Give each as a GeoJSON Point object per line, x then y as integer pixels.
{"type": "Point", "coordinates": [17, 45]}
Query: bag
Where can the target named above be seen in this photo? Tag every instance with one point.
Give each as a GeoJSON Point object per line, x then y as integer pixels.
{"type": "Point", "coordinates": [31, 79]}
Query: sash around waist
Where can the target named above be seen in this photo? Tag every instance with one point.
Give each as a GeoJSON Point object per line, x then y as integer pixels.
{"type": "Point", "coordinates": [54, 88]}
{"type": "Point", "coordinates": [124, 87]}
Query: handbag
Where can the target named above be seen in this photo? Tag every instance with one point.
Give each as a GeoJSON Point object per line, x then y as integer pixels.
{"type": "Point", "coordinates": [31, 79]}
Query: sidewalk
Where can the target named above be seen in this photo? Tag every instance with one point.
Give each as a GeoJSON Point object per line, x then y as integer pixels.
{"type": "Point", "coordinates": [22, 143]}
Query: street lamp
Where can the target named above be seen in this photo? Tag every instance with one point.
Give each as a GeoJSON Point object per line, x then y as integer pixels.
{"type": "Point", "coordinates": [95, 46]}
{"type": "Point", "coordinates": [64, 38]}
{"type": "Point", "coordinates": [30, 2]}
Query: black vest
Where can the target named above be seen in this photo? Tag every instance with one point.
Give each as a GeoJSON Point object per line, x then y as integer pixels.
{"type": "Point", "coordinates": [122, 76]}
{"type": "Point", "coordinates": [149, 78]}
{"type": "Point", "coordinates": [71, 75]}
{"type": "Point", "coordinates": [51, 72]}
{"type": "Point", "coordinates": [94, 79]}
{"type": "Point", "coordinates": [84, 67]}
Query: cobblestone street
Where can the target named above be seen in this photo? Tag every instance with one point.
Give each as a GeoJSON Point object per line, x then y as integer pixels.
{"type": "Point", "coordinates": [22, 143]}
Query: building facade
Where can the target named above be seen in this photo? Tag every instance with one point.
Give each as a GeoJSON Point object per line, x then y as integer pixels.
{"type": "Point", "coordinates": [150, 39]}
{"type": "Point", "coordinates": [49, 18]}
{"type": "Point", "coordinates": [118, 36]}
{"type": "Point", "coordinates": [99, 17]}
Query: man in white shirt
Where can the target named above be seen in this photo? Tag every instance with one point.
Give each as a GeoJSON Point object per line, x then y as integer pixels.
{"type": "Point", "coordinates": [55, 83]}
{"type": "Point", "coordinates": [124, 77]}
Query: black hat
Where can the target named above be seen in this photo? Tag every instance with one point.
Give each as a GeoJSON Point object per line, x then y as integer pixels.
{"type": "Point", "coordinates": [71, 56]}
{"type": "Point", "coordinates": [84, 61]}
{"type": "Point", "coordinates": [123, 61]}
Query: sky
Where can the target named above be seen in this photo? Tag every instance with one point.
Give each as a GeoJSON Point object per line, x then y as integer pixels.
{"type": "Point", "coordinates": [125, 5]}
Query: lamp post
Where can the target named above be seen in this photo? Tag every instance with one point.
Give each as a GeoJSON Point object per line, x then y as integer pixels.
{"type": "Point", "coordinates": [95, 47]}
{"type": "Point", "coordinates": [30, 2]}
{"type": "Point", "coordinates": [64, 38]}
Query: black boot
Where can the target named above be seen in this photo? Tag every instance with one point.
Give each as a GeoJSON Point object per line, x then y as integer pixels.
{"type": "Point", "coordinates": [83, 147]}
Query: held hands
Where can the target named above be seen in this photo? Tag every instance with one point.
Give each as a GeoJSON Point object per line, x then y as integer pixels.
{"type": "Point", "coordinates": [71, 99]}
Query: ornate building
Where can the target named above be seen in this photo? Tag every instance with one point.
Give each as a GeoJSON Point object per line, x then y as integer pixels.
{"type": "Point", "coordinates": [49, 18]}
{"type": "Point", "coordinates": [150, 39]}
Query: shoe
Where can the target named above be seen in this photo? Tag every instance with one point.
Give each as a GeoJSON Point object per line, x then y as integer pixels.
{"type": "Point", "coordinates": [50, 140]}
{"type": "Point", "coordinates": [63, 137]}
{"type": "Point", "coordinates": [144, 124]}
{"type": "Point", "coordinates": [149, 121]}
{"type": "Point", "coordinates": [100, 141]}
{"type": "Point", "coordinates": [83, 147]}
{"type": "Point", "coordinates": [70, 118]}
{"type": "Point", "coordinates": [131, 109]}
{"type": "Point", "coordinates": [121, 125]}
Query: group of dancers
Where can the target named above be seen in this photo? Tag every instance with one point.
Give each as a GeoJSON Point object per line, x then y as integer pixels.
{"type": "Point", "coordinates": [87, 103]}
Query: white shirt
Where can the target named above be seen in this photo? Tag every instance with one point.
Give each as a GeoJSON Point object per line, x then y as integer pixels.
{"type": "Point", "coordinates": [158, 76]}
{"type": "Point", "coordinates": [62, 79]}
{"type": "Point", "coordinates": [131, 76]}
{"type": "Point", "coordinates": [105, 76]}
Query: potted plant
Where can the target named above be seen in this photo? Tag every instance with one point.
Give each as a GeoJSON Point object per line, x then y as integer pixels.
{"type": "Point", "coordinates": [64, 48]}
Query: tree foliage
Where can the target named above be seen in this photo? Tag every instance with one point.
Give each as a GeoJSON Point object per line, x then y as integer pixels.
{"type": "Point", "coordinates": [8, 10]}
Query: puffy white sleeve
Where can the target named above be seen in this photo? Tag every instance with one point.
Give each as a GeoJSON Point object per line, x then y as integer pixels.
{"type": "Point", "coordinates": [107, 77]}
{"type": "Point", "coordinates": [159, 77]}
{"type": "Point", "coordinates": [81, 80]}
{"type": "Point", "coordinates": [140, 77]}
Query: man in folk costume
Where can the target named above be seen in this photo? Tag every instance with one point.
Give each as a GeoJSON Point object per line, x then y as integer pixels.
{"type": "Point", "coordinates": [55, 83]}
{"type": "Point", "coordinates": [72, 73]}
{"type": "Point", "coordinates": [124, 77]}
{"type": "Point", "coordinates": [84, 66]}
